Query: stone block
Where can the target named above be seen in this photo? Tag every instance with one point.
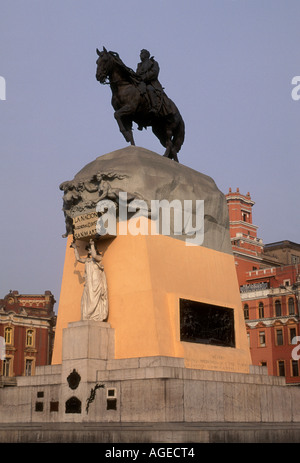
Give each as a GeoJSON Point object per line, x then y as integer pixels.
{"type": "Point", "coordinates": [141, 399]}
{"type": "Point", "coordinates": [161, 361]}
{"type": "Point", "coordinates": [282, 404]}
{"type": "Point", "coordinates": [88, 340]}
{"type": "Point", "coordinates": [119, 364]}
{"type": "Point", "coordinates": [258, 370]}
{"type": "Point", "coordinates": [203, 401]}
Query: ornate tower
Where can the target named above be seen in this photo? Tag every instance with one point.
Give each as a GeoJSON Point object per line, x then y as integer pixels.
{"type": "Point", "coordinates": [246, 246]}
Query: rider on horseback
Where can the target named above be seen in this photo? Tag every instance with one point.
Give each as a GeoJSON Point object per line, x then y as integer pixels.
{"type": "Point", "coordinates": [148, 70]}
{"type": "Point", "coordinates": [139, 97]}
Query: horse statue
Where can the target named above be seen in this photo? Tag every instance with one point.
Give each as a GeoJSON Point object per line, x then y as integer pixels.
{"type": "Point", "coordinates": [133, 101]}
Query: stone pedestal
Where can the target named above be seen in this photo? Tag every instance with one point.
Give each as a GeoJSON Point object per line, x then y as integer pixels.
{"type": "Point", "coordinates": [87, 339]}
{"type": "Point", "coordinates": [147, 277]}
{"type": "Point", "coordinates": [158, 281]}
{"type": "Point", "coordinates": [87, 345]}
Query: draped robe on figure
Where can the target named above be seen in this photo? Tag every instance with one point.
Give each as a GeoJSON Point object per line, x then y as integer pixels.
{"type": "Point", "coordinates": [94, 302]}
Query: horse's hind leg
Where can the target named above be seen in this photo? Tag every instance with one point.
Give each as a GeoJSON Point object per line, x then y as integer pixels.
{"type": "Point", "coordinates": [168, 144]}
{"type": "Point", "coordinates": [174, 155]}
{"type": "Point", "coordinates": [167, 152]}
{"type": "Point", "coordinates": [171, 151]}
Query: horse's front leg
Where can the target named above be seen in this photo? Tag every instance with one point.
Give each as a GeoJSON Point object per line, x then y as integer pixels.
{"type": "Point", "coordinates": [126, 130]}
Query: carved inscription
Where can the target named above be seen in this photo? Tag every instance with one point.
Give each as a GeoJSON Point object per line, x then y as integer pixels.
{"type": "Point", "coordinates": [85, 225]}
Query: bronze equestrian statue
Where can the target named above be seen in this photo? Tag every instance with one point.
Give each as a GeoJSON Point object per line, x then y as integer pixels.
{"type": "Point", "coordinates": [139, 97]}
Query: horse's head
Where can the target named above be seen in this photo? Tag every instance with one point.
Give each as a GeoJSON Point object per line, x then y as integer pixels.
{"type": "Point", "coordinates": [104, 63]}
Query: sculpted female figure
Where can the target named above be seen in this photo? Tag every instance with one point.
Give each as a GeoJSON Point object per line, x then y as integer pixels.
{"type": "Point", "coordinates": [94, 301]}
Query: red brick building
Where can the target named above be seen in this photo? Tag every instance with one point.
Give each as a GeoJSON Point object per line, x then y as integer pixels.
{"type": "Point", "coordinates": [27, 324]}
{"type": "Point", "coordinates": [269, 279]}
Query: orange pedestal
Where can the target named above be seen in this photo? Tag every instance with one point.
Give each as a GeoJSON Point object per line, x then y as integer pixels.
{"type": "Point", "coordinates": [147, 276]}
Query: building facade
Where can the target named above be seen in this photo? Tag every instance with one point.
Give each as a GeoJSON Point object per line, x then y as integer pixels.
{"type": "Point", "coordinates": [27, 325]}
{"type": "Point", "coordinates": [269, 280]}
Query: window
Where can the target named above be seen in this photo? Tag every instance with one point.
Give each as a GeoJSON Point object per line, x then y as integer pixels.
{"type": "Point", "coordinates": [262, 339]}
{"type": "Point", "coordinates": [39, 406]}
{"type": "Point", "coordinates": [111, 393]}
{"type": "Point", "coordinates": [277, 308]}
{"type": "Point", "coordinates": [111, 404]}
{"type": "Point", "coordinates": [28, 367]}
{"type": "Point", "coordinates": [246, 312]}
{"type": "Point", "coordinates": [54, 406]}
{"type": "Point", "coordinates": [8, 335]}
{"type": "Point", "coordinates": [111, 399]}
{"type": "Point", "coordinates": [29, 338]}
{"type": "Point", "coordinates": [279, 337]}
{"type": "Point", "coordinates": [73, 405]}
{"type": "Point", "coordinates": [261, 310]}
{"type": "Point", "coordinates": [281, 368]}
{"type": "Point", "coordinates": [295, 368]}
{"type": "Point", "coordinates": [6, 367]}
{"type": "Point", "coordinates": [291, 306]}
{"type": "Point", "coordinates": [292, 334]}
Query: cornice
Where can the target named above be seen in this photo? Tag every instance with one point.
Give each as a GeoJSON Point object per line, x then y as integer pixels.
{"type": "Point", "coordinates": [267, 322]}
{"type": "Point", "coordinates": [21, 320]}
{"type": "Point", "coordinates": [238, 197]}
{"type": "Point", "coordinates": [242, 222]}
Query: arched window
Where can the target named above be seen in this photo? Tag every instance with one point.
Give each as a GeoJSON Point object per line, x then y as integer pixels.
{"type": "Point", "coordinates": [277, 308]}
{"type": "Point", "coordinates": [261, 310]}
{"type": "Point", "coordinates": [8, 335]}
{"type": "Point", "coordinates": [246, 312]}
{"type": "Point", "coordinates": [29, 338]}
{"type": "Point", "coordinates": [291, 306]}
{"type": "Point", "coordinates": [73, 405]}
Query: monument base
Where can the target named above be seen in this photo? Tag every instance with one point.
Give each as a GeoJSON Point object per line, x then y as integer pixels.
{"type": "Point", "coordinates": [172, 283]}
{"type": "Point", "coordinates": [143, 399]}
{"type": "Point", "coordinates": [172, 362]}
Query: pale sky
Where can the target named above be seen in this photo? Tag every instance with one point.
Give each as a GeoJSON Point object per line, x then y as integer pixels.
{"type": "Point", "coordinates": [227, 64]}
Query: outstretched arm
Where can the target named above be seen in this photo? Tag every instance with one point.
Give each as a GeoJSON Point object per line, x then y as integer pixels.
{"type": "Point", "coordinates": [97, 257]}
{"type": "Point", "coordinates": [78, 258]}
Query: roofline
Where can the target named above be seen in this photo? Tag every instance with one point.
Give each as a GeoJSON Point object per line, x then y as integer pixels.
{"type": "Point", "coordinates": [284, 243]}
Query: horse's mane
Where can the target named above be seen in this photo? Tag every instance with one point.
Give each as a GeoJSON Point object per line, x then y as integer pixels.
{"type": "Point", "coordinates": [131, 73]}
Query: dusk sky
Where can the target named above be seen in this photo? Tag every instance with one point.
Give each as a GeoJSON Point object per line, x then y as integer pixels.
{"type": "Point", "coordinates": [227, 64]}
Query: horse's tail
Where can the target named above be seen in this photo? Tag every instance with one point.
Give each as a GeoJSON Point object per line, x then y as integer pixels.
{"type": "Point", "coordinates": [178, 136]}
